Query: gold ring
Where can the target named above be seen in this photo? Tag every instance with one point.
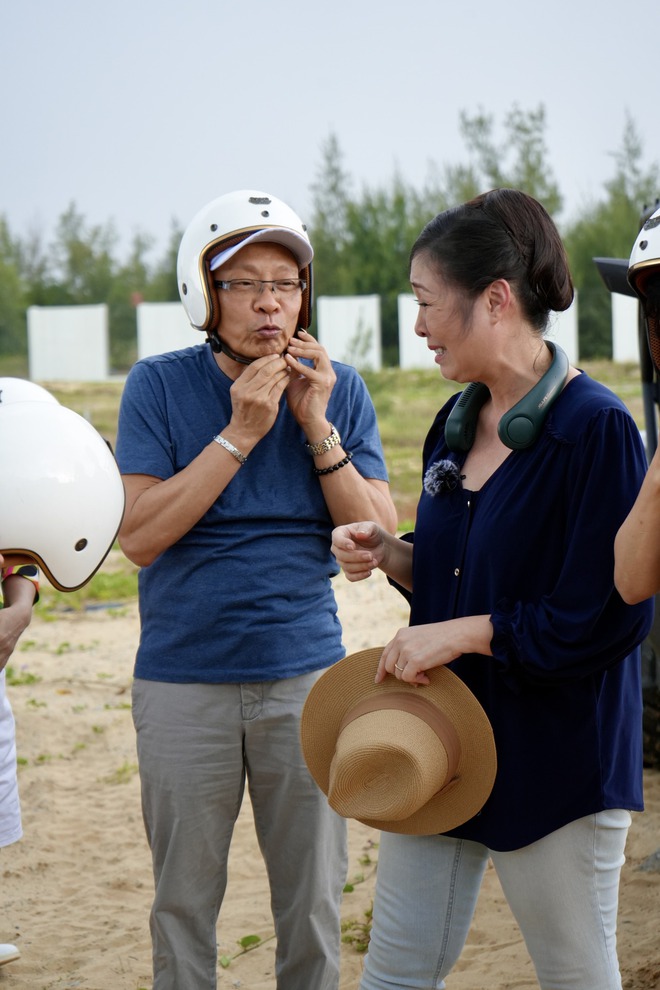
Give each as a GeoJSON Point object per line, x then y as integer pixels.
{"type": "Point", "coordinates": [397, 667]}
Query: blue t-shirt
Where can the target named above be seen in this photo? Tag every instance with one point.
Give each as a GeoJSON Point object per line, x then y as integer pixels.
{"type": "Point", "coordinates": [245, 595]}
{"type": "Point", "coordinates": [534, 549]}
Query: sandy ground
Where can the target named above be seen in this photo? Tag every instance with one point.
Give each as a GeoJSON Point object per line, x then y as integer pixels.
{"type": "Point", "coordinates": [76, 890]}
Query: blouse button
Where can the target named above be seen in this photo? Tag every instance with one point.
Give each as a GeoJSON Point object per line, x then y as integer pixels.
{"type": "Point", "coordinates": [457, 571]}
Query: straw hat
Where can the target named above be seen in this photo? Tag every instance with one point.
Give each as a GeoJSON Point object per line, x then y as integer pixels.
{"type": "Point", "coordinates": [415, 760]}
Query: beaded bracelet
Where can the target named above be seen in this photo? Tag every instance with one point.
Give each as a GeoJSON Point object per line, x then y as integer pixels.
{"type": "Point", "coordinates": [334, 467]}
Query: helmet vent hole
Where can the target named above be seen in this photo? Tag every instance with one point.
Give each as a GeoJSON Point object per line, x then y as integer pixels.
{"type": "Point", "coordinates": [80, 545]}
{"type": "Point", "coordinates": [184, 289]}
{"type": "Point", "coordinates": [265, 213]}
{"type": "Point", "coordinates": [643, 245]}
{"type": "Point", "coordinates": [214, 226]}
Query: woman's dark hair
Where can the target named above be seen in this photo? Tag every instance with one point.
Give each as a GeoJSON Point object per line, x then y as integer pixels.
{"type": "Point", "coordinates": [505, 234]}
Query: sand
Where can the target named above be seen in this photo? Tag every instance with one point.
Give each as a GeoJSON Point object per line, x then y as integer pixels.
{"type": "Point", "coordinates": [76, 890]}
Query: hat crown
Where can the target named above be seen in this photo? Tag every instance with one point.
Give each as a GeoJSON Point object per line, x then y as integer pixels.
{"type": "Point", "coordinates": [426, 754]}
{"type": "Point", "coordinates": [388, 765]}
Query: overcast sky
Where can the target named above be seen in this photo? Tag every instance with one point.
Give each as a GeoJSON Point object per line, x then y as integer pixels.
{"type": "Point", "coordinates": [140, 111]}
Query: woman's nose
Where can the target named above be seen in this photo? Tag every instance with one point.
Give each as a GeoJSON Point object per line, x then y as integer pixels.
{"type": "Point", "coordinates": [420, 326]}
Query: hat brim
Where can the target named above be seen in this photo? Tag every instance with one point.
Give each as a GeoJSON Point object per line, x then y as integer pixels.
{"type": "Point", "coordinates": [299, 247]}
{"type": "Point", "coordinates": [350, 681]}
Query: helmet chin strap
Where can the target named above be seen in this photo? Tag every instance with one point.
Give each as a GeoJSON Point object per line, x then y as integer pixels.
{"type": "Point", "coordinates": [218, 346]}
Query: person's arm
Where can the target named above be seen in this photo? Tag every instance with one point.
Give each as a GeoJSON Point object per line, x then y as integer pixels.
{"type": "Point", "coordinates": [20, 591]}
{"type": "Point", "coordinates": [637, 544]}
{"type": "Point", "coordinates": [160, 511]}
{"type": "Point", "coordinates": [416, 649]}
{"type": "Point", "coordinates": [362, 547]}
{"type": "Point", "coordinates": [580, 626]}
{"type": "Point", "coordinates": [348, 495]}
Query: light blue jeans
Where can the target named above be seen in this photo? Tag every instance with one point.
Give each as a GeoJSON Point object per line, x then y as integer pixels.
{"type": "Point", "coordinates": [197, 744]}
{"type": "Point", "coordinates": [563, 891]}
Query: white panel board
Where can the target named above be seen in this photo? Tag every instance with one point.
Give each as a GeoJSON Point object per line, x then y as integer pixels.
{"type": "Point", "coordinates": [163, 327]}
{"type": "Point", "coordinates": [68, 343]}
{"type": "Point", "coordinates": [625, 345]}
{"type": "Point", "coordinates": [349, 329]}
{"type": "Point", "coordinates": [413, 352]}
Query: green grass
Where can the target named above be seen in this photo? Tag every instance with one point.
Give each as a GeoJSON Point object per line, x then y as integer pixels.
{"type": "Point", "coordinates": [98, 402]}
{"type": "Point", "coordinates": [113, 585]}
{"type": "Point", "coordinates": [405, 401]}
{"type": "Point", "coordinates": [106, 587]}
{"type": "Point", "coordinates": [17, 678]}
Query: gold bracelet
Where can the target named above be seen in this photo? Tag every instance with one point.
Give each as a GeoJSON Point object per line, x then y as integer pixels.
{"type": "Point", "coordinates": [234, 451]}
{"type": "Point", "coordinates": [323, 446]}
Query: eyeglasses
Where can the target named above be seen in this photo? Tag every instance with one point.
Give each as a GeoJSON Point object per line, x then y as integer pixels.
{"type": "Point", "coordinates": [255, 286]}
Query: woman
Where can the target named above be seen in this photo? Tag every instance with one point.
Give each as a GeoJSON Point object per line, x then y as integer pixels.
{"type": "Point", "coordinates": [509, 575]}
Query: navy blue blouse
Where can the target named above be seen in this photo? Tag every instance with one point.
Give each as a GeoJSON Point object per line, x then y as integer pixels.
{"type": "Point", "coordinates": [533, 548]}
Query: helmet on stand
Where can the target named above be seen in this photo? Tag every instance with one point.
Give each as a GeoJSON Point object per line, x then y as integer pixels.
{"type": "Point", "coordinates": [61, 493]}
{"type": "Point", "coordinates": [644, 278]}
{"type": "Point", "coordinates": [223, 227]}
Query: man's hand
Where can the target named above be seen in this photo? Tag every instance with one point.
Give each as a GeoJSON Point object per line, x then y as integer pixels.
{"type": "Point", "coordinates": [310, 386]}
{"type": "Point", "coordinates": [255, 399]}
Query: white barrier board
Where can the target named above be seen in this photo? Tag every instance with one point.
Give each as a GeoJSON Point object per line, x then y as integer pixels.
{"type": "Point", "coordinates": [413, 350]}
{"type": "Point", "coordinates": [349, 329]}
{"type": "Point", "coordinates": [162, 327]}
{"type": "Point", "coordinates": [625, 315]}
{"type": "Point", "coordinates": [68, 343]}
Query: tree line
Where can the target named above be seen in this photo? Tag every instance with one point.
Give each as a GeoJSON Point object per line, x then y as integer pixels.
{"type": "Point", "coordinates": [361, 239]}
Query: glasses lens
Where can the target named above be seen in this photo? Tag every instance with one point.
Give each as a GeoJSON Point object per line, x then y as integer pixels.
{"type": "Point", "coordinates": [253, 286]}
{"type": "Point", "coordinates": [287, 284]}
{"type": "Point", "coordinates": [243, 285]}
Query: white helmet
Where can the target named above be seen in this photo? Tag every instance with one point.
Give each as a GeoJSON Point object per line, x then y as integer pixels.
{"type": "Point", "coordinates": [644, 277]}
{"type": "Point", "coordinates": [232, 221]}
{"type": "Point", "coordinates": [20, 390]}
{"type": "Point", "coordinates": [61, 494]}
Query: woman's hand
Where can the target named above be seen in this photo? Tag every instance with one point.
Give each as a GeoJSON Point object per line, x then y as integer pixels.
{"type": "Point", "coordinates": [359, 549]}
{"type": "Point", "coordinates": [417, 649]}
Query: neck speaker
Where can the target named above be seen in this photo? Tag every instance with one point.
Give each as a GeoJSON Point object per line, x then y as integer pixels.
{"type": "Point", "coordinates": [520, 426]}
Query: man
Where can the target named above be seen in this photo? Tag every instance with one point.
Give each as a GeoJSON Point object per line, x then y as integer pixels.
{"type": "Point", "coordinates": [238, 459]}
{"type": "Point", "coordinates": [19, 590]}
{"type": "Point", "coordinates": [637, 544]}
